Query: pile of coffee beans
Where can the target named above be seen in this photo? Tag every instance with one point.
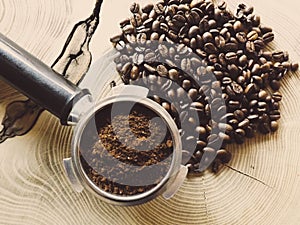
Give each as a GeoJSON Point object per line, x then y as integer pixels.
{"type": "Point", "coordinates": [198, 58]}
{"type": "Point", "coordinates": [128, 158]}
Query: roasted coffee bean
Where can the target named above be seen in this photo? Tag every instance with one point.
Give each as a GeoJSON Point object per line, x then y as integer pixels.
{"type": "Point", "coordinates": [164, 27]}
{"type": "Point", "coordinates": [256, 21]}
{"type": "Point", "coordinates": [268, 37]}
{"type": "Point", "coordinates": [193, 93]}
{"type": "Point", "coordinates": [201, 130]}
{"type": "Point", "coordinates": [186, 84]}
{"type": "Point", "coordinates": [180, 19]}
{"type": "Point", "coordinates": [193, 43]}
{"type": "Point", "coordinates": [230, 47]}
{"type": "Point", "coordinates": [245, 123]}
{"type": "Point", "coordinates": [241, 37]}
{"type": "Point", "coordinates": [150, 57]}
{"type": "Point", "coordinates": [192, 18]}
{"type": "Point", "coordinates": [220, 41]}
{"type": "Point", "coordinates": [210, 48]}
{"type": "Point", "coordinates": [278, 56]}
{"type": "Point", "coordinates": [154, 36]}
{"type": "Point", "coordinates": [256, 69]}
{"type": "Point", "coordinates": [210, 8]}
{"type": "Point", "coordinates": [259, 44]}
{"type": "Point", "coordinates": [147, 8]}
{"type": "Point", "coordinates": [231, 57]}
{"type": "Point", "coordinates": [262, 95]}
{"type": "Point", "coordinates": [158, 8]}
{"type": "Point", "coordinates": [173, 74]}
{"type": "Point", "coordinates": [286, 65]}
{"type": "Point", "coordinates": [196, 3]}
{"type": "Point", "coordinates": [128, 29]}
{"type": "Point", "coordinates": [275, 117]}
{"type": "Point", "coordinates": [224, 156]}
{"type": "Point", "coordinates": [183, 31]}
{"type": "Point", "coordinates": [252, 36]}
{"type": "Point", "coordinates": [250, 47]}
{"type": "Point", "coordinates": [149, 68]}
{"type": "Point", "coordinates": [264, 128]}
{"type": "Point", "coordinates": [237, 88]}
{"type": "Point", "coordinates": [243, 60]}
{"type": "Point", "coordinates": [141, 38]}
{"type": "Point", "coordinates": [166, 106]}
{"type": "Point", "coordinates": [152, 79]}
{"type": "Point", "coordinates": [194, 30]}
{"type": "Point", "coordinates": [250, 89]}
{"type": "Point", "coordinates": [233, 71]}
{"type": "Point", "coordinates": [238, 26]}
{"type": "Point", "coordinates": [239, 135]}
{"type": "Point", "coordinates": [239, 115]}
{"type": "Point", "coordinates": [156, 25]}
{"type": "Point", "coordinates": [225, 34]}
{"type": "Point", "coordinates": [183, 8]}
{"type": "Point", "coordinates": [222, 5]}
{"type": "Point", "coordinates": [212, 58]}
{"type": "Point", "coordinates": [203, 25]}
{"type": "Point", "coordinates": [186, 65]}
{"type": "Point", "coordinates": [207, 37]}
{"type": "Point", "coordinates": [294, 67]}
{"type": "Point", "coordinates": [162, 70]}
{"type": "Point", "coordinates": [275, 85]}
{"type": "Point", "coordinates": [265, 29]}
{"type": "Point", "coordinates": [134, 74]}
{"type": "Point", "coordinates": [124, 23]}
{"type": "Point", "coordinates": [277, 96]}
{"type": "Point", "coordinates": [136, 20]}
{"type": "Point", "coordinates": [116, 39]}
{"type": "Point", "coordinates": [274, 126]}
{"type": "Point", "coordinates": [173, 36]}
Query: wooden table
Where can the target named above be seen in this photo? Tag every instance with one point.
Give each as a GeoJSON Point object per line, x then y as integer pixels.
{"type": "Point", "coordinates": [33, 185]}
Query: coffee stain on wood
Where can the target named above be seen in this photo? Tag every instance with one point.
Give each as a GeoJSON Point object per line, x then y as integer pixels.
{"type": "Point", "coordinates": [73, 63]}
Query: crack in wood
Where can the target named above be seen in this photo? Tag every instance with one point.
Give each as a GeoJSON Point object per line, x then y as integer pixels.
{"type": "Point", "coordinates": [249, 176]}
{"type": "Point", "coordinates": [205, 201]}
{"type": "Point", "coordinates": [21, 116]}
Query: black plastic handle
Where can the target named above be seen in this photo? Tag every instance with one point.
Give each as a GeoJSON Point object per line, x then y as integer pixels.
{"type": "Point", "coordinates": [37, 81]}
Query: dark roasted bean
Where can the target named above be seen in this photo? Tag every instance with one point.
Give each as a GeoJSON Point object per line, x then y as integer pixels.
{"type": "Point", "coordinates": [231, 57]}
{"type": "Point", "coordinates": [207, 37]}
{"type": "Point", "coordinates": [274, 126]}
{"type": "Point", "coordinates": [147, 8]}
{"type": "Point", "coordinates": [222, 5]}
{"type": "Point", "coordinates": [210, 48]}
{"type": "Point", "coordinates": [294, 67]}
{"type": "Point", "coordinates": [275, 85]}
{"type": "Point", "coordinates": [194, 30]}
{"type": "Point", "coordinates": [224, 156]}
{"type": "Point", "coordinates": [265, 29]}
{"type": "Point", "coordinates": [252, 36]}
{"type": "Point", "coordinates": [173, 74]}
{"type": "Point", "coordinates": [277, 96]}
{"type": "Point", "coordinates": [268, 37]}
{"type": "Point", "coordinates": [238, 26]}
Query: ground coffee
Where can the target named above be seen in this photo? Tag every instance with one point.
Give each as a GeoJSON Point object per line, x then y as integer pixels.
{"type": "Point", "coordinates": [128, 157]}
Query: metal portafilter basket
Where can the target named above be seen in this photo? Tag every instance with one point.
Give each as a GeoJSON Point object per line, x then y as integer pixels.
{"type": "Point", "coordinates": [74, 106]}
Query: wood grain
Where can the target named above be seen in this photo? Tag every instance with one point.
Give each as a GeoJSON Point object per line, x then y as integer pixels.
{"type": "Point", "coordinates": [260, 187]}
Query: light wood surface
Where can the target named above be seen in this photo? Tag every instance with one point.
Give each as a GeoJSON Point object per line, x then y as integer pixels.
{"type": "Point", "coordinates": [261, 187]}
